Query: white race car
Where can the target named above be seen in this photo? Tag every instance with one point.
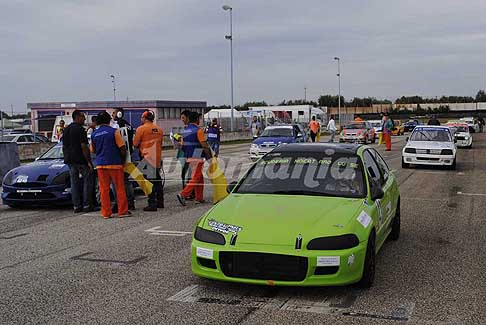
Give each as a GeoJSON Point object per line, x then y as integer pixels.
{"type": "Point", "coordinates": [473, 124]}
{"type": "Point", "coordinates": [430, 145]}
{"type": "Point", "coordinates": [462, 135]}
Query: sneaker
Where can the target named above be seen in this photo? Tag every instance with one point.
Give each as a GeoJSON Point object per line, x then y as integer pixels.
{"type": "Point", "coordinates": [199, 202]}
{"type": "Point", "coordinates": [127, 214]}
{"type": "Point", "coordinates": [108, 217]}
{"type": "Point", "coordinates": [78, 210]}
{"type": "Point", "coordinates": [150, 209]}
{"type": "Point", "coordinates": [89, 209]}
{"type": "Point", "coordinates": [181, 199]}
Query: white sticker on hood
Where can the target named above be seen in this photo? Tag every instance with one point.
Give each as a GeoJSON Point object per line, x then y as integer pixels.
{"type": "Point", "coordinates": [56, 166]}
{"type": "Point", "coordinates": [364, 219]}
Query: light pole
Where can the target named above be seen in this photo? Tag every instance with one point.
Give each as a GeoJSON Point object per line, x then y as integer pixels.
{"type": "Point", "coordinates": [339, 87]}
{"type": "Point", "coordinates": [230, 38]}
{"type": "Point", "coordinates": [114, 86]}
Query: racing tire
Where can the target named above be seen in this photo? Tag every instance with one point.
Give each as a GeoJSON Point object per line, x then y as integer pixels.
{"type": "Point", "coordinates": [395, 225]}
{"type": "Point", "coordinates": [453, 166]}
{"type": "Point", "coordinates": [405, 165]}
{"type": "Point", "coordinates": [369, 266]}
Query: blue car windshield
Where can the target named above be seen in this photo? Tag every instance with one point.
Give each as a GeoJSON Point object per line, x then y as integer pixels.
{"type": "Point", "coordinates": [306, 173]}
{"type": "Point", "coordinates": [277, 132]}
{"type": "Point", "coordinates": [53, 153]}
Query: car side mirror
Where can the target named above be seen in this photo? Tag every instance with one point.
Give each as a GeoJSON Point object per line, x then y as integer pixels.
{"type": "Point", "coordinates": [377, 193]}
{"type": "Point", "coordinates": [299, 135]}
{"type": "Point", "coordinates": [406, 139]}
{"type": "Point", "coordinates": [231, 186]}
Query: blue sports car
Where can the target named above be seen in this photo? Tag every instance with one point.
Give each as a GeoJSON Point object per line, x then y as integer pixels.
{"type": "Point", "coordinates": [44, 181]}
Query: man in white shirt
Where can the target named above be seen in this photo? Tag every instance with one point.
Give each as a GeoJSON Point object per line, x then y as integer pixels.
{"type": "Point", "coordinates": [331, 127]}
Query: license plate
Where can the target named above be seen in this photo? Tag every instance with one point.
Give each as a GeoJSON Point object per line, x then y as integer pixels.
{"type": "Point", "coordinates": [29, 191]}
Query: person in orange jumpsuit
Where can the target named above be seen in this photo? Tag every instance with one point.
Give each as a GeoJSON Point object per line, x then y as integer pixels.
{"type": "Point", "coordinates": [109, 147]}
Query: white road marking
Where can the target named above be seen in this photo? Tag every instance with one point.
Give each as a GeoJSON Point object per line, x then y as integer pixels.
{"type": "Point", "coordinates": [471, 194]}
{"type": "Point", "coordinates": [157, 231]}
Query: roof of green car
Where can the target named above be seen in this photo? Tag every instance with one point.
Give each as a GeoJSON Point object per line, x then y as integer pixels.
{"type": "Point", "coordinates": [346, 148]}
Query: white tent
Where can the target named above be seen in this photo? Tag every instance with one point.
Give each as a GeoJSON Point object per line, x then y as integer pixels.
{"type": "Point", "coordinates": [222, 113]}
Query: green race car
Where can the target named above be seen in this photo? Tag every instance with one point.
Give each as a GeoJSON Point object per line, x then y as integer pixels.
{"type": "Point", "coordinates": [304, 214]}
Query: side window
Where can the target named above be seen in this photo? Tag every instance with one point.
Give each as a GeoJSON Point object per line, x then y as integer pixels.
{"type": "Point", "coordinates": [385, 171]}
{"type": "Point", "coordinates": [372, 168]}
{"type": "Point", "coordinates": [22, 139]}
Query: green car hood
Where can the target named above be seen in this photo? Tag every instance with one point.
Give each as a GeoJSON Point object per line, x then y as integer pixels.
{"type": "Point", "coordinates": [278, 219]}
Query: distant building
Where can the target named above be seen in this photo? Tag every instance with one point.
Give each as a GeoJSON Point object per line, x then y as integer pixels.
{"type": "Point", "coordinates": [167, 113]}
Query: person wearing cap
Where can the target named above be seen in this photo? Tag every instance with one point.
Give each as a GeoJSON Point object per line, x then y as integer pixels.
{"type": "Point", "coordinates": [148, 139]}
{"type": "Point", "coordinates": [110, 150]}
{"type": "Point", "coordinates": [195, 149]}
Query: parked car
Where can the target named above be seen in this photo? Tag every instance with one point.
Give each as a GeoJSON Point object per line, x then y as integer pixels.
{"type": "Point", "coordinates": [358, 132]}
{"type": "Point", "coordinates": [44, 181]}
{"type": "Point", "coordinates": [377, 125]}
{"type": "Point", "coordinates": [472, 123]}
{"type": "Point", "coordinates": [410, 125]}
{"type": "Point", "coordinates": [461, 134]}
{"type": "Point", "coordinates": [398, 128]}
{"type": "Point", "coordinates": [274, 136]}
{"type": "Point", "coordinates": [430, 145]}
{"type": "Point", "coordinates": [22, 138]}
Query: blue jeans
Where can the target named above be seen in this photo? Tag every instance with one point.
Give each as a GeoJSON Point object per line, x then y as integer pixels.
{"type": "Point", "coordinates": [214, 145]}
{"type": "Point", "coordinates": [75, 170]}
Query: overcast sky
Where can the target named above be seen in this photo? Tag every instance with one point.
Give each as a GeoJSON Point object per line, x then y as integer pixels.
{"type": "Point", "coordinates": [65, 50]}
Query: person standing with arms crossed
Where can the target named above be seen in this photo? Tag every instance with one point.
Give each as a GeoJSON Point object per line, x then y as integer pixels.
{"type": "Point", "coordinates": [331, 127]}
{"type": "Point", "coordinates": [148, 139]}
{"type": "Point", "coordinates": [110, 150]}
{"type": "Point", "coordinates": [314, 128]}
{"type": "Point", "coordinates": [78, 158]}
{"type": "Point", "coordinates": [195, 149]}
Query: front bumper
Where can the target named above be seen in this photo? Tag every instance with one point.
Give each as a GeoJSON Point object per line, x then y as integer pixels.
{"type": "Point", "coordinates": [347, 270]}
{"type": "Point", "coordinates": [427, 159]}
{"type": "Point", "coordinates": [461, 143]}
{"type": "Point", "coordinates": [57, 195]}
{"type": "Point", "coordinates": [351, 139]}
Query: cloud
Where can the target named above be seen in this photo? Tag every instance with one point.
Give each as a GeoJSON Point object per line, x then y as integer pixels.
{"type": "Point", "coordinates": [175, 49]}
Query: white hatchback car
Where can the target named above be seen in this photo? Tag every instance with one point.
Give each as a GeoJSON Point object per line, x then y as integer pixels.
{"type": "Point", "coordinates": [430, 145]}
{"type": "Point", "coordinates": [462, 135]}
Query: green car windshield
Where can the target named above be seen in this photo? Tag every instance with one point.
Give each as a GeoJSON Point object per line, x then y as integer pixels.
{"type": "Point", "coordinates": [306, 173]}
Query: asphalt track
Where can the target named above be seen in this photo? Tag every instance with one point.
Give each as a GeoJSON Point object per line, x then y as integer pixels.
{"type": "Point", "coordinates": [56, 267]}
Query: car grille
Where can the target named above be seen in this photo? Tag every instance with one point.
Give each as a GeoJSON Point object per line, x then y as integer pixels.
{"type": "Point", "coordinates": [30, 196]}
{"type": "Point", "coordinates": [460, 138]}
{"type": "Point", "coordinates": [269, 145]}
{"type": "Point", "coordinates": [428, 158]}
{"type": "Point", "coordinates": [262, 266]}
{"type": "Point", "coordinates": [29, 185]}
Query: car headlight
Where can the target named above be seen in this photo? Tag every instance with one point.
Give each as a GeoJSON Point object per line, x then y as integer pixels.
{"type": "Point", "coordinates": [254, 146]}
{"type": "Point", "coordinates": [62, 179]}
{"type": "Point", "coordinates": [8, 179]}
{"type": "Point", "coordinates": [333, 243]}
{"type": "Point", "coordinates": [448, 152]}
{"type": "Point", "coordinates": [209, 236]}
{"type": "Point", "coordinates": [410, 150]}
